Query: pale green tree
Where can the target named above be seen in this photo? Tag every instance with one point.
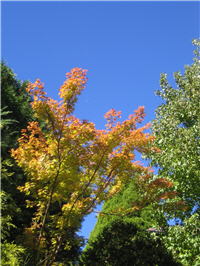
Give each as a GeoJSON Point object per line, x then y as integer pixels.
{"type": "Point", "coordinates": [177, 131]}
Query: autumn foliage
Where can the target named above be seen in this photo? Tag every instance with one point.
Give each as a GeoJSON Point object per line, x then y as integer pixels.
{"type": "Point", "coordinates": [78, 166]}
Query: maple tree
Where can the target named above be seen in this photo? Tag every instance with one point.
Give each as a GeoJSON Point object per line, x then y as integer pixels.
{"type": "Point", "coordinates": [77, 167]}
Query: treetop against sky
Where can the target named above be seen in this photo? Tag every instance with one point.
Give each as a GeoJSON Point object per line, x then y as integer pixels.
{"type": "Point", "coordinates": [124, 52]}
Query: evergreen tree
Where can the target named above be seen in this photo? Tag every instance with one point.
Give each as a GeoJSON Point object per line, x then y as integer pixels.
{"type": "Point", "coordinates": [16, 101]}
{"type": "Point", "coordinates": [12, 254]}
{"type": "Point", "coordinates": [16, 112]}
{"type": "Point", "coordinates": [143, 219]}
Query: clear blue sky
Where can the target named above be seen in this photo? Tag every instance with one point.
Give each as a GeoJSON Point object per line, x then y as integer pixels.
{"type": "Point", "coordinates": [124, 45]}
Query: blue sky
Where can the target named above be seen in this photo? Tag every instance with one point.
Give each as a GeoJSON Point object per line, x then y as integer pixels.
{"type": "Point", "coordinates": [124, 45]}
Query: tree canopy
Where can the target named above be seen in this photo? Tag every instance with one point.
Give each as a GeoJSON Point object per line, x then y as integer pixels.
{"type": "Point", "coordinates": [76, 166]}
{"type": "Point", "coordinates": [177, 130]}
{"type": "Point", "coordinates": [62, 168]}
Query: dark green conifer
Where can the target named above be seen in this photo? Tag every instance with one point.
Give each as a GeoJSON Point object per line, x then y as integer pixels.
{"type": "Point", "coordinates": [143, 219]}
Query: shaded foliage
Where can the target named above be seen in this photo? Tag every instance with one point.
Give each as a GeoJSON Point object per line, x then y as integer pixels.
{"type": "Point", "coordinates": [16, 100]}
{"type": "Point", "coordinates": [124, 244]}
{"type": "Point", "coordinates": [16, 112]}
